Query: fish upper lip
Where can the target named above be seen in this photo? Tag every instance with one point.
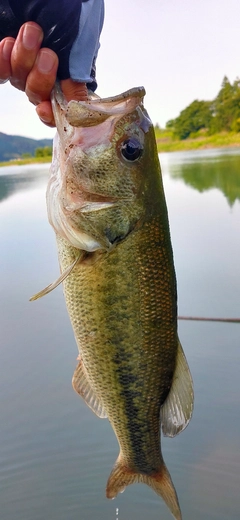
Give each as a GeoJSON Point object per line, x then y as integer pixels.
{"type": "Point", "coordinates": [108, 104]}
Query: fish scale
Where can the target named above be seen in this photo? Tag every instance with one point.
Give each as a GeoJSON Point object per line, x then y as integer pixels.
{"type": "Point", "coordinates": [129, 376]}
{"type": "Point", "coordinates": [106, 204]}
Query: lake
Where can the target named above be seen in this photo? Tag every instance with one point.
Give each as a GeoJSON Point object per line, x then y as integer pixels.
{"type": "Point", "coordinates": [55, 454]}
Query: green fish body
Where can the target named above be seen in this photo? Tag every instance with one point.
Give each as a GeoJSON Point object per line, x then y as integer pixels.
{"type": "Point", "coordinates": [106, 203]}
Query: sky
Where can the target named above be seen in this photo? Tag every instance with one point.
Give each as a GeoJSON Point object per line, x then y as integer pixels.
{"type": "Point", "coordinates": [179, 50]}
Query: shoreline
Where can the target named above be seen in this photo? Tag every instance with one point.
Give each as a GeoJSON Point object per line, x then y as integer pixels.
{"type": "Point", "coordinates": [200, 141]}
{"type": "Point", "coordinates": [165, 144]}
{"type": "Point", "coordinates": [30, 160]}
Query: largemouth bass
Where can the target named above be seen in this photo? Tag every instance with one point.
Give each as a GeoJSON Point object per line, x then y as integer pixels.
{"type": "Point", "coordinates": [106, 204]}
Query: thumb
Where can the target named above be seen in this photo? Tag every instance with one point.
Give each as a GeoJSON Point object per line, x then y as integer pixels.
{"type": "Point", "coordinates": [74, 90]}
{"type": "Point", "coordinates": [71, 90]}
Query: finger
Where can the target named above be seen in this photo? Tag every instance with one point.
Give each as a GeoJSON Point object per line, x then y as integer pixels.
{"type": "Point", "coordinates": [74, 90]}
{"type": "Point", "coordinates": [45, 113]}
{"type": "Point", "coordinates": [24, 53]}
{"type": "Point", "coordinates": [6, 47]}
{"type": "Point", "coordinates": [41, 79]}
{"type": "Point", "coordinates": [71, 90]}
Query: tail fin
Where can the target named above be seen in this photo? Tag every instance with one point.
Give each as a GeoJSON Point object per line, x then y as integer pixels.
{"type": "Point", "coordinates": [161, 482]}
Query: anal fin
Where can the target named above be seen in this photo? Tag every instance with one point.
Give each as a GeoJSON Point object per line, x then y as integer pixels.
{"type": "Point", "coordinates": [177, 409]}
{"type": "Point", "coordinates": [82, 386]}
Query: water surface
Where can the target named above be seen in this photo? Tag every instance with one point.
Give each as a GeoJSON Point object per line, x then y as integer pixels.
{"type": "Point", "coordinates": [55, 454]}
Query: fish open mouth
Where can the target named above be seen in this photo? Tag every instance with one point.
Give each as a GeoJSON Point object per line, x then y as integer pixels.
{"type": "Point", "coordinates": [96, 110]}
{"type": "Point", "coordinates": [92, 122]}
{"type": "Point", "coordinates": [84, 145]}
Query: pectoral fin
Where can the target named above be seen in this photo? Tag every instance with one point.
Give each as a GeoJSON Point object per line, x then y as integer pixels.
{"type": "Point", "coordinates": [177, 409]}
{"type": "Point", "coordinates": [57, 282]}
{"type": "Point", "coordinates": [82, 386]}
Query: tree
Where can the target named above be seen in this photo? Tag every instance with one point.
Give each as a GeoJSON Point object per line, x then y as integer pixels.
{"type": "Point", "coordinates": [196, 116]}
{"type": "Point", "coordinates": [46, 151]}
{"type": "Point", "coordinates": [226, 107]}
{"type": "Point", "coordinates": [26, 155]}
{"type": "Point", "coordinates": [170, 123]}
{"type": "Point", "coordinates": [221, 114]}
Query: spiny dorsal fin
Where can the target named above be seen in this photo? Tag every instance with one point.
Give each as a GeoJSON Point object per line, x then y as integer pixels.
{"type": "Point", "coordinates": [177, 409]}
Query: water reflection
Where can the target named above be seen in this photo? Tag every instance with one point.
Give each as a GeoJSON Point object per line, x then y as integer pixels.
{"type": "Point", "coordinates": [20, 178]}
{"type": "Point", "coordinates": [204, 171]}
{"type": "Point", "coordinates": [55, 454]}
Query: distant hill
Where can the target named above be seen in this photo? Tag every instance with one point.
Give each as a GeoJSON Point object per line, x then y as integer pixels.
{"type": "Point", "coordinates": [13, 146]}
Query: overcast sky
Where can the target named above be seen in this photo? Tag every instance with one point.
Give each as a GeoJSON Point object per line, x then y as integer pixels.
{"type": "Point", "coordinates": [179, 50]}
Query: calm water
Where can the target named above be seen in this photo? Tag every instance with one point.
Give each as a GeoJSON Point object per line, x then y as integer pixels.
{"type": "Point", "coordinates": [55, 455]}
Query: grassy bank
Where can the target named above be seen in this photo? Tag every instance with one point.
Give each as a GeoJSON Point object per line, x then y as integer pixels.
{"type": "Point", "coordinates": [167, 143]}
{"type": "Point", "coordinates": [28, 160]}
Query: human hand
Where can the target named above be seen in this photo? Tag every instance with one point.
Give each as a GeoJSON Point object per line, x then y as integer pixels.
{"type": "Point", "coordinates": [34, 70]}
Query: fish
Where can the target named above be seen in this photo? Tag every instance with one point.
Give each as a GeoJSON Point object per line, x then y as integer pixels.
{"type": "Point", "coordinates": [106, 204]}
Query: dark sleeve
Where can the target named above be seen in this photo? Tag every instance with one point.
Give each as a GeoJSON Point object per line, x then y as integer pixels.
{"type": "Point", "coordinates": [59, 20]}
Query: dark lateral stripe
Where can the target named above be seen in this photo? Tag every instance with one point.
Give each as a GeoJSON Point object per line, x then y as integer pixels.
{"type": "Point", "coordinates": [131, 392]}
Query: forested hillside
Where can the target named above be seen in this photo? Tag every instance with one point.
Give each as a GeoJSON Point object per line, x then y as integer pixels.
{"type": "Point", "coordinates": [14, 146]}
{"type": "Point", "coordinates": [220, 114]}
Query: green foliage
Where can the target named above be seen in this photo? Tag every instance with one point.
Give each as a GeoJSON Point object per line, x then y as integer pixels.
{"type": "Point", "coordinates": [166, 142]}
{"type": "Point", "coordinates": [170, 123]}
{"type": "Point", "coordinates": [221, 114]}
{"type": "Point", "coordinates": [196, 116]}
{"type": "Point", "coordinates": [26, 155]}
{"type": "Point", "coordinates": [46, 151]}
{"type": "Point", "coordinates": [236, 125]}
{"type": "Point", "coordinates": [226, 107]}
{"type": "Point", "coordinates": [222, 174]}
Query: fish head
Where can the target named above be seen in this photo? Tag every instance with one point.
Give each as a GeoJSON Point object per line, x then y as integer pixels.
{"type": "Point", "coordinates": [104, 153]}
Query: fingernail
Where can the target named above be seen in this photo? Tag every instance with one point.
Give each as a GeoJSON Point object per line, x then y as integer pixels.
{"type": "Point", "coordinates": [35, 99]}
{"type": "Point", "coordinates": [45, 61]}
{"type": "Point", "coordinates": [46, 119]}
{"type": "Point", "coordinates": [7, 49]}
{"type": "Point", "coordinates": [32, 36]}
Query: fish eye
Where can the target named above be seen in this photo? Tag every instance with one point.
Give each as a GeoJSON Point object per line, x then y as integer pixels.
{"type": "Point", "coordinates": [131, 149]}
